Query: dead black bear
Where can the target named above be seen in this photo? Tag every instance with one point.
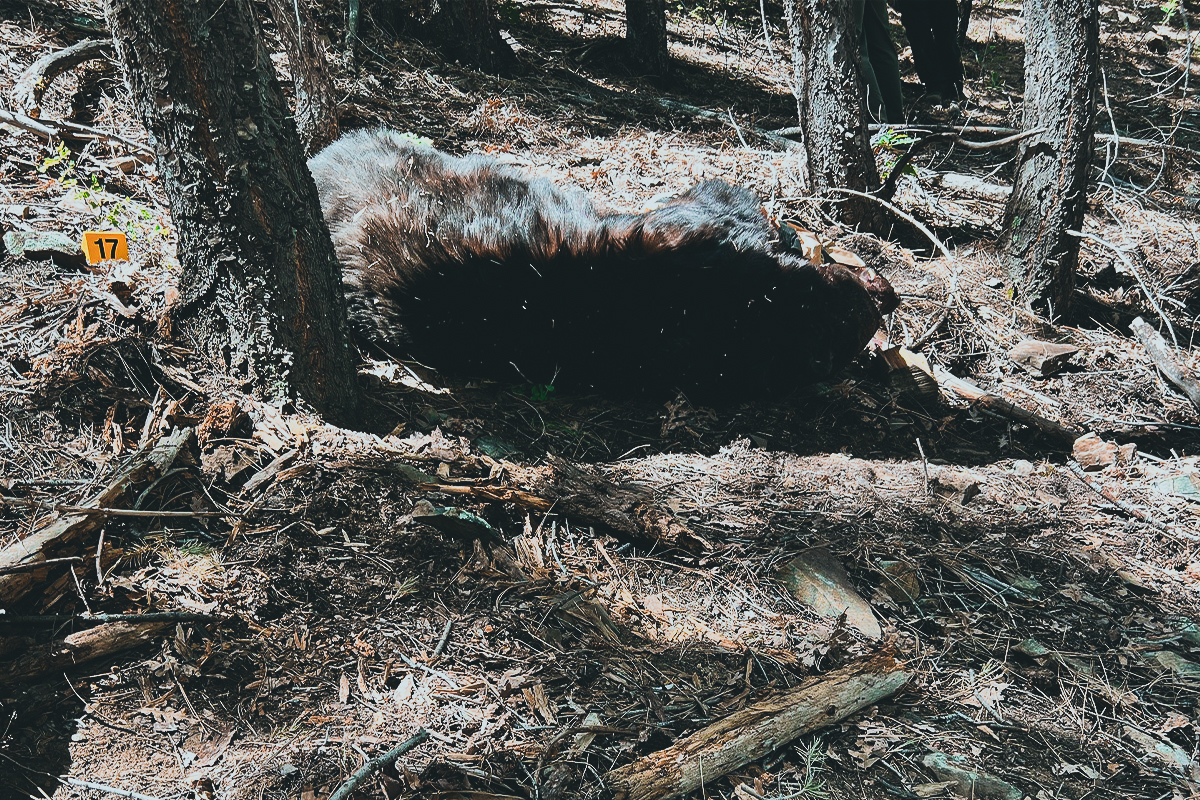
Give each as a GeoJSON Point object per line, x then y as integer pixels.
{"type": "Point", "coordinates": [476, 269]}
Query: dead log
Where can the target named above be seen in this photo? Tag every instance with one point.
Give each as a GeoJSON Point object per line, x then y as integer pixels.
{"type": "Point", "coordinates": [753, 732]}
{"type": "Point", "coordinates": [998, 405]}
{"type": "Point", "coordinates": [28, 89]}
{"type": "Point", "coordinates": [89, 645]}
{"type": "Point", "coordinates": [1160, 353]}
{"type": "Point", "coordinates": [62, 537]}
{"type": "Point", "coordinates": [580, 492]}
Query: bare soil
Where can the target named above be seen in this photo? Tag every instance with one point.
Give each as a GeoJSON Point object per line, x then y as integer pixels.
{"type": "Point", "coordinates": [1053, 634]}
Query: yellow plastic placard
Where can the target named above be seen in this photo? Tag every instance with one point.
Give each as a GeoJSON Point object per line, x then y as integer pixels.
{"type": "Point", "coordinates": [105, 245]}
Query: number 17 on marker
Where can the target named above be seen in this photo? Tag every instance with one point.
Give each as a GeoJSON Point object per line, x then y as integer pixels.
{"type": "Point", "coordinates": [105, 245]}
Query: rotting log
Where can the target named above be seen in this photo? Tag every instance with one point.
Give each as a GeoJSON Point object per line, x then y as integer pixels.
{"type": "Point", "coordinates": [757, 730]}
{"type": "Point", "coordinates": [998, 405]}
{"type": "Point", "coordinates": [89, 645]}
{"type": "Point", "coordinates": [62, 536]}
{"type": "Point", "coordinates": [578, 491]}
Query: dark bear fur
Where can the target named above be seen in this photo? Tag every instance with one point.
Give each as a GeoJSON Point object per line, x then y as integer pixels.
{"type": "Point", "coordinates": [476, 269]}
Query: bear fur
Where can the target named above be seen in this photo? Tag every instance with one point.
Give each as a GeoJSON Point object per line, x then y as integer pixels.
{"type": "Point", "coordinates": [477, 269]}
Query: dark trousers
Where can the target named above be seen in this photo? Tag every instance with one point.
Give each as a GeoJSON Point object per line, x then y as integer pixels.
{"type": "Point", "coordinates": [932, 29]}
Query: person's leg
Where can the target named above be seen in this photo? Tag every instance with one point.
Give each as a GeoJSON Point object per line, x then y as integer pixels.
{"type": "Point", "coordinates": [875, 106]}
{"type": "Point", "coordinates": [881, 52]}
{"type": "Point", "coordinates": [914, 14]}
{"type": "Point", "coordinates": [943, 22]}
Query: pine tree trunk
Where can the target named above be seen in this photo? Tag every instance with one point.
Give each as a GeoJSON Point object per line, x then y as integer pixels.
{"type": "Point", "coordinates": [316, 105]}
{"type": "Point", "coordinates": [646, 36]}
{"type": "Point", "coordinates": [1049, 194]}
{"type": "Point", "coordinates": [260, 286]}
{"type": "Point", "coordinates": [464, 30]}
{"type": "Point", "coordinates": [831, 103]}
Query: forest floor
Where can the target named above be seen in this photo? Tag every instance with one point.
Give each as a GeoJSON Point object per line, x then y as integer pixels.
{"type": "Point", "coordinates": [1048, 614]}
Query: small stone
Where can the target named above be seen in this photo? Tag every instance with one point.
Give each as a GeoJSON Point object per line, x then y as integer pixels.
{"type": "Point", "coordinates": [1093, 453]}
{"type": "Point", "coordinates": [959, 487]}
{"type": "Point", "coordinates": [1023, 468]}
{"type": "Point", "coordinates": [970, 783]}
{"type": "Point", "coordinates": [41, 245]}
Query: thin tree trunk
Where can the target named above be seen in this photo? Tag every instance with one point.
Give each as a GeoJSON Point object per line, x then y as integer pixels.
{"type": "Point", "coordinates": [831, 103]}
{"type": "Point", "coordinates": [466, 30]}
{"type": "Point", "coordinates": [646, 35]}
{"type": "Point", "coordinates": [260, 286]}
{"type": "Point", "coordinates": [316, 105]}
{"type": "Point", "coordinates": [1049, 194]}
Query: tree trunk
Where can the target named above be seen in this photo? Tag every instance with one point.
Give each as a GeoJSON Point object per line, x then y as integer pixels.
{"type": "Point", "coordinates": [465, 30]}
{"type": "Point", "coordinates": [1049, 194]}
{"type": "Point", "coordinates": [646, 36]}
{"type": "Point", "coordinates": [831, 103]}
{"type": "Point", "coordinates": [260, 288]}
{"type": "Point", "coordinates": [316, 105]}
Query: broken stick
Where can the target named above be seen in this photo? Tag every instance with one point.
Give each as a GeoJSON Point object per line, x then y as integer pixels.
{"type": "Point", "coordinates": [1160, 353]}
{"type": "Point", "coordinates": [753, 732]}
{"type": "Point", "coordinates": [62, 537]}
{"type": "Point", "coordinates": [88, 645]}
{"type": "Point", "coordinates": [1005, 408]}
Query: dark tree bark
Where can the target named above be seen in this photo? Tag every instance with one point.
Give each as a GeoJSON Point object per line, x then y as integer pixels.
{"type": "Point", "coordinates": [260, 287]}
{"type": "Point", "coordinates": [1050, 189]}
{"type": "Point", "coordinates": [831, 103]}
{"type": "Point", "coordinates": [465, 30]}
{"type": "Point", "coordinates": [646, 36]}
{"type": "Point", "coordinates": [316, 105]}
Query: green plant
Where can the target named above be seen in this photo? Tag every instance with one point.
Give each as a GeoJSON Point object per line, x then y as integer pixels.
{"type": "Point", "coordinates": [1169, 9]}
{"type": "Point", "coordinates": [810, 786]}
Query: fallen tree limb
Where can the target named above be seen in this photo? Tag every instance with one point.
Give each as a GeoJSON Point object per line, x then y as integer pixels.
{"type": "Point", "coordinates": [1160, 353]}
{"type": "Point", "coordinates": [61, 537]}
{"type": "Point", "coordinates": [757, 730]}
{"type": "Point", "coordinates": [36, 79]}
{"type": "Point", "coordinates": [61, 129]}
{"type": "Point", "coordinates": [889, 186]}
{"type": "Point", "coordinates": [945, 251]}
{"type": "Point", "coordinates": [959, 183]}
{"type": "Point", "coordinates": [1005, 408]}
{"type": "Point", "coordinates": [78, 648]}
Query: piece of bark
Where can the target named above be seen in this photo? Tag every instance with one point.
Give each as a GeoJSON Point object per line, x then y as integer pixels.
{"type": "Point", "coordinates": [28, 89]}
{"type": "Point", "coordinates": [757, 730]}
{"type": "Point", "coordinates": [88, 645]}
{"type": "Point", "coordinates": [1160, 353]}
{"type": "Point", "coordinates": [579, 491]}
{"type": "Point", "coordinates": [61, 537]}
{"type": "Point", "coordinates": [995, 403]}
{"type": "Point", "coordinates": [1093, 453]}
{"type": "Point", "coordinates": [1042, 358]}
{"type": "Point", "coordinates": [818, 580]}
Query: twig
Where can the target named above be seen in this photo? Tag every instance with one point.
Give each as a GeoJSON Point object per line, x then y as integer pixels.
{"type": "Point", "coordinates": [437, 673]}
{"type": "Point", "coordinates": [36, 565]}
{"type": "Point", "coordinates": [61, 129]}
{"type": "Point", "coordinates": [100, 787]}
{"type": "Point", "coordinates": [376, 764]}
{"type": "Point", "coordinates": [100, 619]}
{"type": "Point", "coordinates": [110, 512]}
{"type": "Point", "coordinates": [1077, 471]}
{"type": "Point", "coordinates": [945, 251]}
{"type": "Point", "coordinates": [441, 645]}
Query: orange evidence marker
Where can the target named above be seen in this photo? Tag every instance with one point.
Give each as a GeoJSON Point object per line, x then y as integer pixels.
{"type": "Point", "coordinates": [104, 245]}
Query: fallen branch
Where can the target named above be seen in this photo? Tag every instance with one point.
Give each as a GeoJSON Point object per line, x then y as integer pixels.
{"type": "Point", "coordinates": [62, 536]}
{"type": "Point", "coordinates": [78, 648]}
{"type": "Point", "coordinates": [12, 570]}
{"type": "Point", "coordinates": [998, 405]}
{"type": "Point", "coordinates": [72, 131]}
{"type": "Point", "coordinates": [376, 764]}
{"type": "Point", "coordinates": [945, 251]}
{"type": "Point", "coordinates": [99, 619]}
{"type": "Point", "coordinates": [753, 732]}
{"type": "Point", "coordinates": [1160, 353]}
{"type": "Point", "coordinates": [889, 186]}
{"type": "Point", "coordinates": [959, 183]}
{"type": "Point", "coordinates": [695, 111]}
{"type": "Point", "coordinates": [1078, 472]}
{"type": "Point", "coordinates": [36, 79]}
{"type": "Point", "coordinates": [108, 512]}
{"type": "Point", "coordinates": [1137, 273]}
